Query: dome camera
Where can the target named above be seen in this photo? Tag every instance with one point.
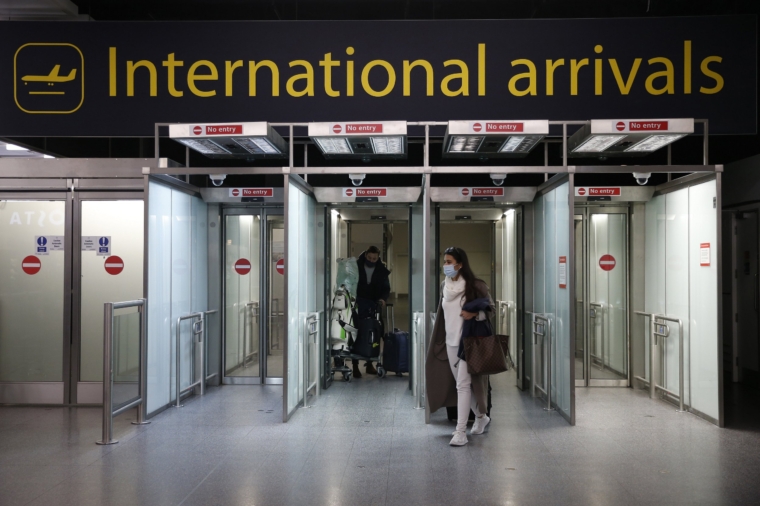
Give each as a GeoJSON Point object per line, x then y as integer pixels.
{"type": "Point", "coordinates": [498, 179]}
{"type": "Point", "coordinates": [642, 178]}
{"type": "Point", "coordinates": [357, 179]}
{"type": "Point", "coordinates": [217, 179]}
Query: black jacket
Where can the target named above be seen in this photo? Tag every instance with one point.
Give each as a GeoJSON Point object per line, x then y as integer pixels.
{"type": "Point", "coordinates": [379, 286]}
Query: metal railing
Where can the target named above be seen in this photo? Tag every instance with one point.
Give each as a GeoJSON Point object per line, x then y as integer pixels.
{"type": "Point", "coordinates": [312, 333]}
{"type": "Point", "coordinates": [249, 350]}
{"type": "Point", "coordinates": [108, 374]}
{"type": "Point", "coordinates": [597, 306]}
{"type": "Point", "coordinates": [418, 361]}
{"type": "Point", "coordinates": [199, 329]}
{"type": "Point", "coordinates": [657, 328]}
{"type": "Point", "coordinates": [505, 316]}
{"type": "Point", "coordinates": [542, 327]}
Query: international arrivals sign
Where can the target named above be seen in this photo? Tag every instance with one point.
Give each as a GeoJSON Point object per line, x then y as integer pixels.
{"type": "Point", "coordinates": [118, 78]}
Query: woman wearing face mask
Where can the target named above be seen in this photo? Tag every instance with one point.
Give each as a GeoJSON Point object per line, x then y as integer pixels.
{"type": "Point", "coordinates": [448, 381]}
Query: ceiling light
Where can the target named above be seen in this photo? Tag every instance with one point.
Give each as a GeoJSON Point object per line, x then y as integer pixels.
{"type": "Point", "coordinates": [205, 146]}
{"type": "Point", "coordinates": [388, 145]}
{"type": "Point", "coordinates": [13, 147]}
{"type": "Point", "coordinates": [256, 145]}
{"type": "Point", "coordinates": [520, 143]}
{"type": "Point", "coordinates": [462, 144]}
{"type": "Point", "coordinates": [334, 145]}
{"type": "Point", "coordinates": [493, 138]}
{"type": "Point", "coordinates": [598, 143]}
{"type": "Point", "coordinates": [655, 142]}
{"type": "Point", "coordinates": [47, 156]}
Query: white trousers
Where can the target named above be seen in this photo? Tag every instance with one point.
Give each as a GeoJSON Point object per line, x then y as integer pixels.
{"type": "Point", "coordinates": [465, 399]}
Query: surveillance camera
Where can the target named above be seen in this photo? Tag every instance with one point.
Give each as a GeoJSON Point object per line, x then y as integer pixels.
{"type": "Point", "coordinates": [642, 178]}
{"type": "Point", "coordinates": [357, 179]}
{"type": "Point", "coordinates": [498, 179]}
{"type": "Point", "coordinates": [217, 179]}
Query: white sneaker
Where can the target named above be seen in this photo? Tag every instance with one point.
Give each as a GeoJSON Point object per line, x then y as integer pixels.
{"type": "Point", "coordinates": [459, 439]}
{"type": "Point", "coordinates": [480, 424]}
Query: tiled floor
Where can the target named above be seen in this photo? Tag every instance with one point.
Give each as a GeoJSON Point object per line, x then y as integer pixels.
{"type": "Point", "coordinates": [363, 444]}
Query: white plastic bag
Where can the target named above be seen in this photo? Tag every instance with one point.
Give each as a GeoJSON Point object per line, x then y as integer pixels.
{"type": "Point", "coordinates": [347, 274]}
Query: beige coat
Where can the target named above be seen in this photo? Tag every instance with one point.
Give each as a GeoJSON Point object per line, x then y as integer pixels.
{"type": "Point", "coordinates": [440, 384]}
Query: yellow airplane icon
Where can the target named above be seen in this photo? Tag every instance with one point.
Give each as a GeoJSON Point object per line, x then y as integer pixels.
{"type": "Point", "coordinates": [52, 77]}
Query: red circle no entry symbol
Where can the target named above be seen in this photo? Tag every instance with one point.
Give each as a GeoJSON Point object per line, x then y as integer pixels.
{"type": "Point", "coordinates": [349, 192]}
{"type": "Point", "coordinates": [337, 129]}
{"type": "Point", "coordinates": [31, 265]}
{"type": "Point", "coordinates": [243, 266]}
{"type": "Point", "coordinates": [114, 265]}
{"type": "Point", "coordinates": [280, 266]}
{"type": "Point", "coordinates": [235, 192]}
{"type": "Point", "coordinates": [465, 191]}
{"type": "Point", "coordinates": [477, 127]}
{"type": "Point", "coordinates": [581, 191]}
{"type": "Point", "coordinates": [197, 130]}
{"type": "Point", "coordinates": [620, 126]}
{"type": "Point", "coordinates": [607, 262]}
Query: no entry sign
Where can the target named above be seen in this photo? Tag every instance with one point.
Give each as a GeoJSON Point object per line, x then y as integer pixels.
{"type": "Point", "coordinates": [243, 266]}
{"type": "Point", "coordinates": [114, 265]}
{"type": "Point", "coordinates": [31, 265]}
{"type": "Point", "coordinates": [607, 262]}
{"type": "Point", "coordinates": [280, 266]}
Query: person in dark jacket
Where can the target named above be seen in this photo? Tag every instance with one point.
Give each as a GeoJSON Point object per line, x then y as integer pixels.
{"type": "Point", "coordinates": [372, 292]}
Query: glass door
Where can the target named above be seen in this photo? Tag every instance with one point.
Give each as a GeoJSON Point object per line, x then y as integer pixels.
{"type": "Point", "coordinates": [275, 303]}
{"type": "Point", "coordinates": [601, 344]}
{"type": "Point", "coordinates": [34, 309]}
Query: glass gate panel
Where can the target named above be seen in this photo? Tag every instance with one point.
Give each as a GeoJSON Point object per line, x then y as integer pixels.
{"type": "Point", "coordinates": [580, 304]}
{"type": "Point", "coordinates": [111, 270]}
{"type": "Point", "coordinates": [242, 249]}
{"type": "Point", "coordinates": [32, 292]}
{"type": "Point", "coordinates": [607, 293]}
{"type": "Point", "coordinates": [275, 322]}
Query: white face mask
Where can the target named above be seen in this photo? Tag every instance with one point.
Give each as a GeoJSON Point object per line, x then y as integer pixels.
{"type": "Point", "coordinates": [449, 271]}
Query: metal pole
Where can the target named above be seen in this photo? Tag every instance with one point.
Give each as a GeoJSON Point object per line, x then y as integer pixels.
{"type": "Point", "coordinates": [564, 144]}
{"type": "Point", "coordinates": [681, 393]}
{"type": "Point", "coordinates": [533, 373]}
{"type": "Point", "coordinates": [106, 438]}
{"type": "Point", "coordinates": [142, 408]}
{"type": "Point", "coordinates": [178, 404]}
{"type": "Point", "coordinates": [652, 344]}
{"type": "Point", "coordinates": [704, 142]}
{"type": "Point", "coordinates": [202, 343]}
{"type": "Point", "coordinates": [548, 351]}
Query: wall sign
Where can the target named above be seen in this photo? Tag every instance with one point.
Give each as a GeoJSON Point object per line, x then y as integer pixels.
{"type": "Point", "coordinates": [562, 272]}
{"type": "Point", "coordinates": [242, 266]}
{"type": "Point", "coordinates": [365, 192]}
{"type": "Point", "coordinates": [251, 192]}
{"type": "Point", "coordinates": [597, 191]}
{"type": "Point", "coordinates": [704, 254]}
{"type": "Point", "coordinates": [114, 265]}
{"type": "Point", "coordinates": [100, 244]}
{"type": "Point", "coordinates": [31, 265]}
{"type": "Point", "coordinates": [44, 244]}
{"type": "Point", "coordinates": [607, 262]}
{"type": "Point", "coordinates": [119, 78]}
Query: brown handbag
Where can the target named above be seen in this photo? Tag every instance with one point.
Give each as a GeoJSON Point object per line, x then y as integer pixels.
{"type": "Point", "coordinates": [487, 354]}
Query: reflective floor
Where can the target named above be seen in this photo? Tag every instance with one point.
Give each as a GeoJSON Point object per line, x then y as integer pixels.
{"type": "Point", "coordinates": [363, 444]}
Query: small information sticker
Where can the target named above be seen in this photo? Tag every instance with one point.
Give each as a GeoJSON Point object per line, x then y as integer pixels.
{"type": "Point", "coordinates": [44, 244]}
{"type": "Point", "coordinates": [562, 272]}
{"type": "Point", "coordinates": [704, 254]}
{"type": "Point", "coordinates": [100, 244]}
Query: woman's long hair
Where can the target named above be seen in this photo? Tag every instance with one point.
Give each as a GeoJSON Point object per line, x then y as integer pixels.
{"type": "Point", "coordinates": [470, 292]}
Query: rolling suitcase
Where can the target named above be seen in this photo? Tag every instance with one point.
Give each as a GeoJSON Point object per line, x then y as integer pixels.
{"type": "Point", "coordinates": [395, 347]}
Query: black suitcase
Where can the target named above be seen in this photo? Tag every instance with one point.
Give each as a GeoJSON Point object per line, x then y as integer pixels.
{"type": "Point", "coordinates": [395, 346]}
{"type": "Point", "coordinates": [368, 334]}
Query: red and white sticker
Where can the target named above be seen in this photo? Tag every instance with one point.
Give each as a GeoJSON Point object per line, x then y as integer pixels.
{"type": "Point", "coordinates": [477, 127]}
{"type": "Point", "coordinates": [465, 191]}
{"type": "Point", "coordinates": [641, 126]}
{"type": "Point", "coordinates": [607, 262]}
{"type": "Point", "coordinates": [280, 266]}
{"type": "Point", "coordinates": [562, 272]}
{"type": "Point", "coordinates": [597, 191]}
{"type": "Point", "coordinates": [487, 192]}
{"type": "Point", "coordinates": [364, 128]}
{"type": "Point", "coordinates": [365, 192]}
{"type": "Point", "coordinates": [31, 265]}
{"type": "Point", "coordinates": [217, 129]}
{"type": "Point", "coordinates": [243, 266]}
{"type": "Point", "coordinates": [114, 265]}
{"type": "Point", "coordinates": [504, 127]}
{"type": "Point", "coordinates": [251, 192]}
{"type": "Point", "coordinates": [704, 254]}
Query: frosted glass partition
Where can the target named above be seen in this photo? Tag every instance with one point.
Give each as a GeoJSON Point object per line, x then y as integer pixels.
{"type": "Point", "coordinates": [552, 294]}
{"type": "Point", "coordinates": [301, 287]}
{"type": "Point", "coordinates": [509, 276]}
{"type": "Point", "coordinates": [177, 285]}
{"type": "Point", "coordinates": [31, 352]}
{"type": "Point", "coordinates": [121, 221]}
{"type": "Point", "coordinates": [682, 282]}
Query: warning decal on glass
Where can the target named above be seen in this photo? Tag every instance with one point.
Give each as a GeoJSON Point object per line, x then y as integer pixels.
{"type": "Point", "coordinates": [563, 272]}
{"type": "Point", "coordinates": [704, 254]}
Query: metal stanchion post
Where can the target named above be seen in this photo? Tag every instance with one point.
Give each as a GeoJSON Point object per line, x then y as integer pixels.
{"type": "Point", "coordinates": [106, 438]}
{"type": "Point", "coordinates": [142, 407]}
